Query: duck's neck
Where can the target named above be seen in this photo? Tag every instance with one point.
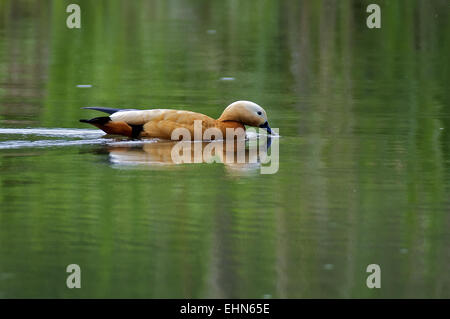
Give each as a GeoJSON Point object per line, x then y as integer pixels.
{"type": "Point", "coordinates": [230, 119]}
{"type": "Point", "coordinates": [229, 124]}
{"type": "Point", "coordinates": [223, 125]}
{"type": "Point", "coordinates": [230, 114]}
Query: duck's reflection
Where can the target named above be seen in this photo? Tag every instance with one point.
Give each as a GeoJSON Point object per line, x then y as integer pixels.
{"type": "Point", "coordinates": [244, 156]}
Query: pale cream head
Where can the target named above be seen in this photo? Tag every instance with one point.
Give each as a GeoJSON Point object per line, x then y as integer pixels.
{"type": "Point", "coordinates": [245, 112]}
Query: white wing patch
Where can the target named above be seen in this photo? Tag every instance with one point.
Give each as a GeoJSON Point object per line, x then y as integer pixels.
{"type": "Point", "coordinates": [140, 117]}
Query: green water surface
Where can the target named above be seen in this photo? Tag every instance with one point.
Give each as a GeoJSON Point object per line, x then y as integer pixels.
{"type": "Point", "coordinates": [364, 153]}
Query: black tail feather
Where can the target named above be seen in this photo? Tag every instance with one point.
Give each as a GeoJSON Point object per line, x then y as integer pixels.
{"type": "Point", "coordinates": [97, 120]}
{"type": "Point", "coordinates": [105, 109]}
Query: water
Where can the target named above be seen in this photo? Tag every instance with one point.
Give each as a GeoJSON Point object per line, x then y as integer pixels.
{"type": "Point", "coordinates": [364, 150]}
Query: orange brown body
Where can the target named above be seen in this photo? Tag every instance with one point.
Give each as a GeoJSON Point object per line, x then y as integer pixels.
{"type": "Point", "coordinates": [162, 123]}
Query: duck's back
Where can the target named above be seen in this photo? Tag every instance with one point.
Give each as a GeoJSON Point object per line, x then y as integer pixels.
{"type": "Point", "coordinates": [162, 122]}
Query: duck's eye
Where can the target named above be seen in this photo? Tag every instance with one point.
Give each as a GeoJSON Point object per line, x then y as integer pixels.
{"type": "Point", "coordinates": [259, 113]}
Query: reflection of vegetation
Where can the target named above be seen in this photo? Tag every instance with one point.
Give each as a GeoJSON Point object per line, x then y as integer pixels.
{"type": "Point", "coordinates": [364, 161]}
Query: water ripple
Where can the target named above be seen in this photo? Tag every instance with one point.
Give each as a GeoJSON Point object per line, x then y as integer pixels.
{"type": "Point", "coordinates": [48, 143]}
{"type": "Point", "coordinates": [53, 132]}
{"type": "Point", "coordinates": [72, 136]}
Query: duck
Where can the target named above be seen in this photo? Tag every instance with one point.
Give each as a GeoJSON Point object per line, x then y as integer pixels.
{"type": "Point", "coordinates": [161, 123]}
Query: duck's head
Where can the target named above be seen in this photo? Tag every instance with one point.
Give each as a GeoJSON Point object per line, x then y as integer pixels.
{"type": "Point", "coordinates": [247, 113]}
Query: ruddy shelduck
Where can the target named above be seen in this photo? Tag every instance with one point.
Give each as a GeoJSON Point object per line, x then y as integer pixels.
{"type": "Point", "coordinates": [160, 123]}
